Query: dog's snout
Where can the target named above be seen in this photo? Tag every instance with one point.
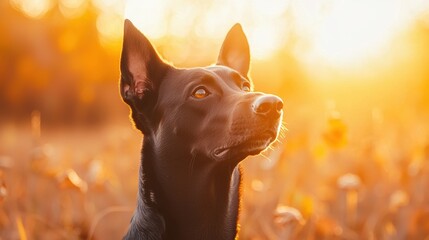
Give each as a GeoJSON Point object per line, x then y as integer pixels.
{"type": "Point", "coordinates": [268, 105]}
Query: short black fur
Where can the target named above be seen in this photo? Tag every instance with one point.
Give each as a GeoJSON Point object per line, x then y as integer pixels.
{"type": "Point", "coordinates": [198, 124]}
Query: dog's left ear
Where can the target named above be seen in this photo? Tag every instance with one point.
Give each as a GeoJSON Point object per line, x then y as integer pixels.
{"type": "Point", "coordinates": [235, 51]}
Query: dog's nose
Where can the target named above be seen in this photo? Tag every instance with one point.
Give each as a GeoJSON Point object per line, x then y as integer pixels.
{"type": "Point", "coordinates": [268, 105]}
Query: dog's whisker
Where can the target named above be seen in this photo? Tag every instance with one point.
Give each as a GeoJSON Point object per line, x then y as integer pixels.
{"type": "Point", "coordinates": [266, 157]}
{"type": "Point", "coordinates": [191, 165]}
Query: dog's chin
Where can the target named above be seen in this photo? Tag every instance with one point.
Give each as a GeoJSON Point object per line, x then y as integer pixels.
{"type": "Point", "coordinates": [250, 146]}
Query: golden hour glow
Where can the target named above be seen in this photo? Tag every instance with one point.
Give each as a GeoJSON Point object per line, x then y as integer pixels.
{"type": "Point", "coordinates": [148, 16]}
{"type": "Point", "coordinates": [265, 41]}
{"type": "Point", "coordinates": [351, 31]}
{"type": "Point", "coordinates": [345, 34]}
{"type": "Point", "coordinates": [112, 6]}
{"type": "Point", "coordinates": [338, 32]}
{"type": "Point", "coordinates": [352, 157]}
{"type": "Point", "coordinates": [265, 33]}
{"type": "Point", "coordinates": [33, 8]}
{"type": "Point", "coordinates": [109, 21]}
{"type": "Point", "coordinates": [72, 8]}
{"type": "Point", "coordinates": [109, 27]}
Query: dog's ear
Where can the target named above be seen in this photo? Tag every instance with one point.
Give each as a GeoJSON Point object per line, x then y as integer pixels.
{"type": "Point", "coordinates": [141, 72]}
{"type": "Point", "coordinates": [235, 51]}
{"type": "Point", "coordinates": [141, 66]}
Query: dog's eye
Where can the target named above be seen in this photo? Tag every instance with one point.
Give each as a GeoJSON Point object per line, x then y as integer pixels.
{"type": "Point", "coordinates": [200, 92]}
{"type": "Point", "coordinates": [246, 87]}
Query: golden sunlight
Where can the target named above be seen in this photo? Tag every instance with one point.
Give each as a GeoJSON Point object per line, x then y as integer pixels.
{"type": "Point", "coordinates": [109, 21]}
{"type": "Point", "coordinates": [72, 8]}
{"type": "Point", "coordinates": [351, 31]}
{"type": "Point", "coordinates": [32, 8]}
{"type": "Point", "coordinates": [347, 33]}
{"type": "Point", "coordinates": [352, 157]}
{"type": "Point", "coordinates": [109, 28]}
{"type": "Point", "coordinates": [260, 21]}
{"type": "Point", "coordinates": [148, 16]}
{"type": "Point", "coordinates": [338, 32]}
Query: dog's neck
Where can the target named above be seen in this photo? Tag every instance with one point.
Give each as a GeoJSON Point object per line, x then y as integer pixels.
{"type": "Point", "coordinates": [190, 197]}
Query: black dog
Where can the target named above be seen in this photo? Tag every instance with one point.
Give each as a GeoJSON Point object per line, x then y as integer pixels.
{"type": "Point", "coordinates": [198, 124]}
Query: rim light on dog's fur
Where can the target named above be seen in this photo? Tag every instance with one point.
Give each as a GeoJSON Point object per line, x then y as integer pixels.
{"type": "Point", "coordinates": [198, 124]}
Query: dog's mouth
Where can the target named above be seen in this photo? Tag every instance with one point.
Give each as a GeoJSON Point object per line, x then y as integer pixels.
{"type": "Point", "coordinates": [250, 146]}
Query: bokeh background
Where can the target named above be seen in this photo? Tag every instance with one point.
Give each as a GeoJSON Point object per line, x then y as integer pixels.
{"type": "Point", "coordinates": [354, 75]}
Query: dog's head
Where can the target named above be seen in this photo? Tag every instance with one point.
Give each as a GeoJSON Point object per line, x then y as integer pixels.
{"type": "Point", "coordinates": [211, 112]}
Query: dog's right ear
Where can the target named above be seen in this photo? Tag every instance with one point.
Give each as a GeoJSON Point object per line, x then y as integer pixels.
{"type": "Point", "coordinates": [141, 66]}
{"type": "Point", "coordinates": [141, 73]}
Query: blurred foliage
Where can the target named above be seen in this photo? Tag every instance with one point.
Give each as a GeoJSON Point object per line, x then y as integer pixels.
{"type": "Point", "coordinates": [353, 164]}
{"type": "Point", "coordinates": [54, 64]}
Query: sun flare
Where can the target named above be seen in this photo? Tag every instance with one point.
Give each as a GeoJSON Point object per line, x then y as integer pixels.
{"type": "Point", "coordinates": [351, 31]}
{"type": "Point", "coordinates": [337, 32]}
